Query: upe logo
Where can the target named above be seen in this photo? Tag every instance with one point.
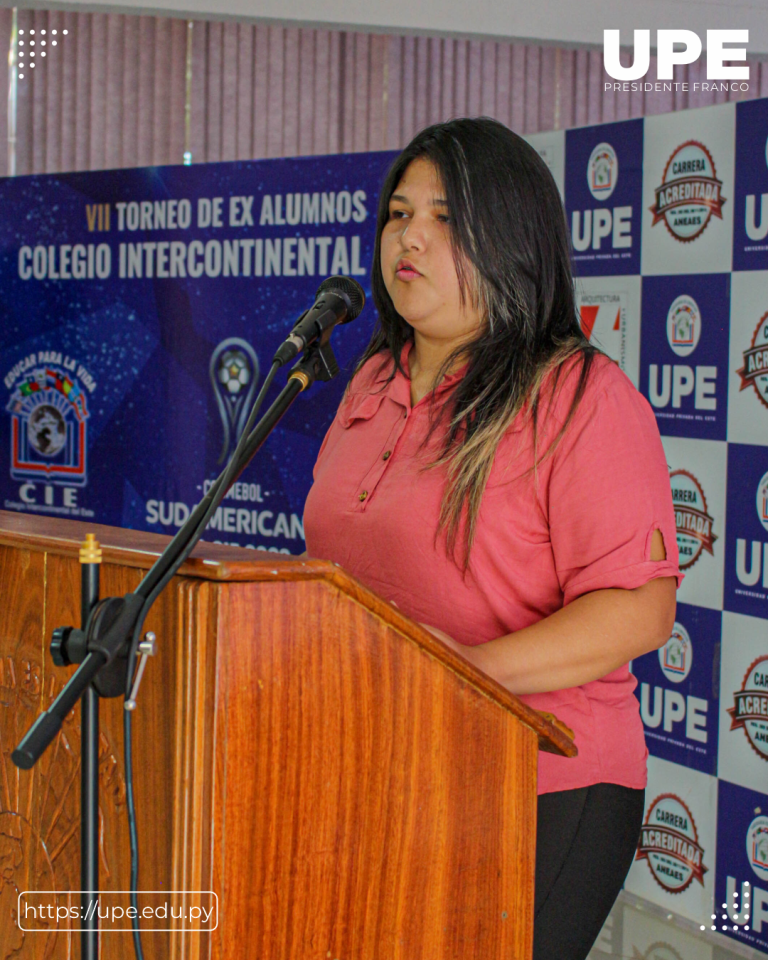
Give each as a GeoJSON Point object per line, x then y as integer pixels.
{"type": "Point", "coordinates": [667, 57]}
{"type": "Point", "coordinates": [750, 708]}
{"type": "Point", "coordinates": [684, 325]}
{"type": "Point", "coordinates": [692, 520]}
{"type": "Point", "coordinates": [234, 373]}
{"type": "Point", "coordinates": [676, 656]}
{"type": "Point", "coordinates": [602, 171]}
{"type": "Point", "coordinates": [754, 373]}
{"type": "Point", "coordinates": [757, 846]}
{"type": "Point", "coordinates": [689, 194]}
{"type": "Point", "coordinates": [49, 414]}
{"type": "Point", "coordinates": [669, 842]}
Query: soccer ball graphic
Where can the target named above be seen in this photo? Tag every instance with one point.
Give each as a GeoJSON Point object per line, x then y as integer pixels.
{"type": "Point", "coordinates": [233, 373]}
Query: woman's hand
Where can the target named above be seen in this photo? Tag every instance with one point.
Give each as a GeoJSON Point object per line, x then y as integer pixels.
{"type": "Point", "coordinates": [448, 641]}
{"type": "Point", "coordinates": [463, 649]}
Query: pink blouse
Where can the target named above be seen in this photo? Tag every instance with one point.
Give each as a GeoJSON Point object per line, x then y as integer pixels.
{"type": "Point", "coordinates": [582, 522]}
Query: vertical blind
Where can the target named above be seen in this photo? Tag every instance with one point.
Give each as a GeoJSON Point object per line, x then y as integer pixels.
{"type": "Point", "coordinates": [115, 90]}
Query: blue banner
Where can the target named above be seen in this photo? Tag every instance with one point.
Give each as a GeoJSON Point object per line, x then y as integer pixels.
{"type": "Point", "coordinates": [603, 197]}
{"type": "Point", "coordinates": [741, 886]}
{"type": "Point", "coordinates": [684, 353]}
{"type": "Point", "coordinates": [750, 220]}
{"type": "Point", "coordinates": [746, 524]}
{"type": "Point", "coordinates": [677, 687]}
{"type": "Point", "coordinates": [140, 312]}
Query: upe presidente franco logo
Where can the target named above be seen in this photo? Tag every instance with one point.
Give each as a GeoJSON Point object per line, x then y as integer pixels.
{"type": "Point", "coordinates": [754, 373]}
{"type": "Point", "coordinates": [669, 843]}
{"type": "Point", "coordinates": [602, 171]}
{"type": "Point", "coordinates": [692, 519]}
{"type": "Point", "coordinates": [683, 325]}
{"type": "Point", "coordinates": [757, 846]}
{"type": "Point", "coordinates": [677, 48]}
{"type": "Point", "coordinates": [689, 194]}
{"type": "Point", "coordinates": [750, 707]}
{"type": "Point", "coordinates": [676, 656]}
{"type": "Point", "coordinates": [49, 418]}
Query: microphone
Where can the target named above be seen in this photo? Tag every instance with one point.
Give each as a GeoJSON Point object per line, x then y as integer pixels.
{"type": "Point", "coordinates": [338, 300]}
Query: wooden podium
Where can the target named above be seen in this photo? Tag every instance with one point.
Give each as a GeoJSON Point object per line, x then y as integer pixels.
{"type": "Point", "coordinates": [349, 788]}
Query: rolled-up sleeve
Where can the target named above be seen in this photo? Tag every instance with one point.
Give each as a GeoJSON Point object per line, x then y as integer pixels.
{"type": "Point", "coordinates": [608, 492]}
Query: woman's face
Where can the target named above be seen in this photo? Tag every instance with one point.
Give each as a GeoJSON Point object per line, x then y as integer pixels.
{"type": "Point", "coordinates": [417, 258]}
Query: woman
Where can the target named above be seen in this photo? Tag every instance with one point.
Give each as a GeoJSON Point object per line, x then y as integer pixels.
{"type": "Point", "coordinates": [503, 483]}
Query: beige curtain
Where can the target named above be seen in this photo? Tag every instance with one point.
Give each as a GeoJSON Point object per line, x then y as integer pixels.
{"type": "Point", "coordinates": [113, 91]}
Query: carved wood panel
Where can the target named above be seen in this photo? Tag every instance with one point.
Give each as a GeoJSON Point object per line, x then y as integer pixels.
{"type": "Point", "coordinates": [39, 809]}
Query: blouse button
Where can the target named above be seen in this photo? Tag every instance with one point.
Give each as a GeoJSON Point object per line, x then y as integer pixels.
{"type": "Point", "coordinates": [363, 495]}
{"type": "Point", "coordinates": [387, 455]}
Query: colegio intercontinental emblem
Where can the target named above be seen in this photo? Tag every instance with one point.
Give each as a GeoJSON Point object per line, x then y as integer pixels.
{"type": "Point", "coordinates": [669, 843]}
{"type": "Point", "coordinates": [750, 706]}
{"type": "Point", "coordinates": [692, 519]}
{"type": "Point", "coordinates": [689, 194]}
{"type": "Point", "coordinates": [49, 414]}
{"type": "Point", "coordinates": [754, 373]}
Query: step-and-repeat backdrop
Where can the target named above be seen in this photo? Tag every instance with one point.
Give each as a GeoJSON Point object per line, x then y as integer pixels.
{"type": "Point", "coordinates": [669, 222]}
{"type": "Point", "coordinates": [141, 308]}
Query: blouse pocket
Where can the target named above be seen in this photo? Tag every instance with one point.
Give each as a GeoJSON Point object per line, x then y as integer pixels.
{"type": "Point", "coordinates": [360, 406]}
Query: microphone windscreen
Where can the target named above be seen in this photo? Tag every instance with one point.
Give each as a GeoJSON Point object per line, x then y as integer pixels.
{"type": "Point", "coordinates": [350, 290]}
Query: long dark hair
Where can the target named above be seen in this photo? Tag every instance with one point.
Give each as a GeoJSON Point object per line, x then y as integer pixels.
{"type": "Point", "coordinates": [512, 254]}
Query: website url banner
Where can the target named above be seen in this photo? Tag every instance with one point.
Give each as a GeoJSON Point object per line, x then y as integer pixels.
{"type": "Point", "coordinates": [193, 911]}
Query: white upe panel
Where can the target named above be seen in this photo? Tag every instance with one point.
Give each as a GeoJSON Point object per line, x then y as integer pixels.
{"type": "Point", "coordinates": [697, 476]}
{"type": "Point", "coordinates": [675, 861]}
{"type": "Point", "coordinates": [551, 148]}
{"type": "Point", "coordinates": [742, 755]}
{"type": "Point", "coordinates": [688, 191]}
{"type": "Point", "coordinates": [748, 358]}
{"type": "Point", "coordinates": [609, 311]}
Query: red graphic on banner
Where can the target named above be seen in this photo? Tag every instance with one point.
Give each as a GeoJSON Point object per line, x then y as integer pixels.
{"type": "Point", "coordinates": [588, 317]}
{"type": "Point", "coordinates": [689, 194]}
{"type": "Point", "coordinates": [750, 706]}
{"type": "Point", "coordinates": [669, 842]}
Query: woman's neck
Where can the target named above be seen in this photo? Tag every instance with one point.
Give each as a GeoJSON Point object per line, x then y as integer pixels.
{"type": "Point", "coordinates": [425, 360]}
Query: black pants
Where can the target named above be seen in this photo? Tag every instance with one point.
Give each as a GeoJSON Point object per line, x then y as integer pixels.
{"type": "Point", "coordinates": [585, 844]}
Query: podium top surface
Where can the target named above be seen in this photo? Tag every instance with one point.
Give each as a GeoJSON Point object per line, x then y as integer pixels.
{"type": "Point", "coordinates": [136, 548]}
{"type": "Point", "coordinates": [223, 563]}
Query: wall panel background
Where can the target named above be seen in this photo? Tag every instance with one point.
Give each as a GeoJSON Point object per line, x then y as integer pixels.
{"type": "Point", "coordinates": [114, 91]}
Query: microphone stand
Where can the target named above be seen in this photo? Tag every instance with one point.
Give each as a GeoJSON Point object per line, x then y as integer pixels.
{"type": "Point", "coordinates": [106, 644]}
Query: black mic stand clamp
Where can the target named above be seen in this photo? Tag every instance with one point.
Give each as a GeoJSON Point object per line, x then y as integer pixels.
{"type": "Point", "coordinates": [319, 363]}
